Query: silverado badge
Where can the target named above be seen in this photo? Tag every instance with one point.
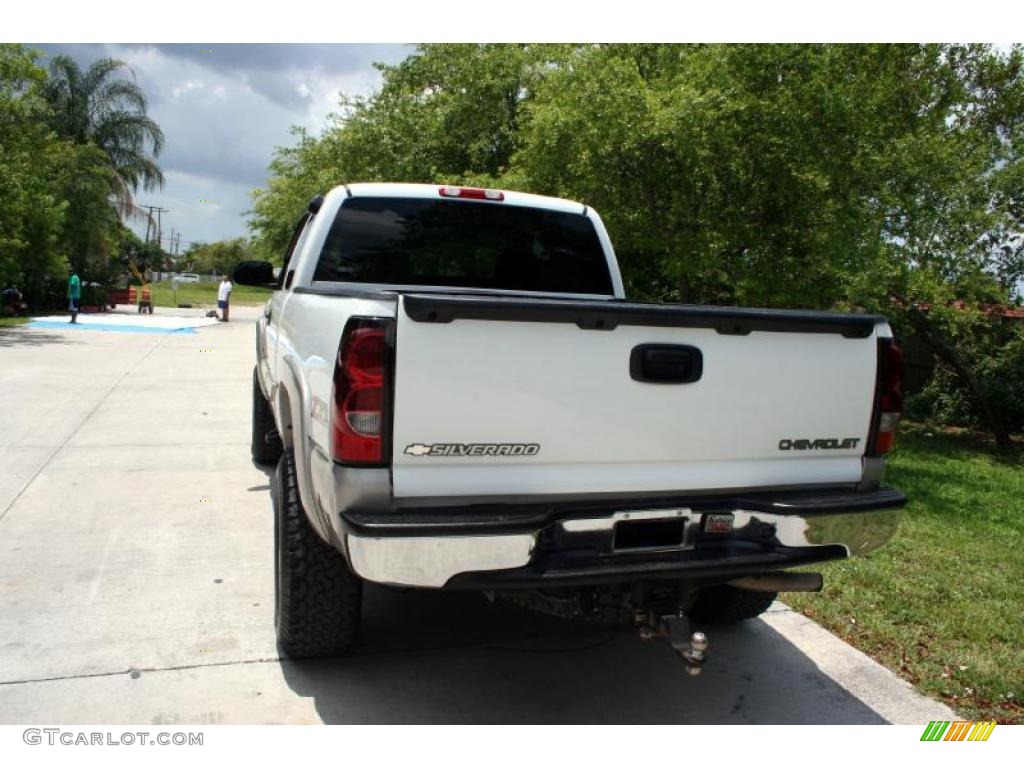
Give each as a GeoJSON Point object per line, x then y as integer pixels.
{"type": "Point", "coordinates": [473, 449]}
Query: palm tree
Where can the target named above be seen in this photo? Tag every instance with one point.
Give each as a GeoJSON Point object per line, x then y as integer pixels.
{"type": "Point", "coordinates": [110, 112]}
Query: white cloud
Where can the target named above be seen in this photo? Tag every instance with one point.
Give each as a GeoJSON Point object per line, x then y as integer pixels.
{"type": "Point", "coordinates": [224, 109]}
{"type": "Point", "coordinates": [191, 85]}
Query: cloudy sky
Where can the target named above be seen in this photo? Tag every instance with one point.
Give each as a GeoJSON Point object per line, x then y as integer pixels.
{"type": "Point", "coordinates": [223, 109]}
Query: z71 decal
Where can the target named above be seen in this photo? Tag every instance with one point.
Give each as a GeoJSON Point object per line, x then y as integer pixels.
{"type": "Point", "coordinates": [473, 449]}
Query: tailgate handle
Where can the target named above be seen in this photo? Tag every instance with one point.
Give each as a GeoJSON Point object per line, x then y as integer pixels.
{"type": "Point", "coordinates": [666, 363]}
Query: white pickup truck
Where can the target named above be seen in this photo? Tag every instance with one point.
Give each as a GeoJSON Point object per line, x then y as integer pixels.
{"type": "Point", "coordinates": [458, 396]}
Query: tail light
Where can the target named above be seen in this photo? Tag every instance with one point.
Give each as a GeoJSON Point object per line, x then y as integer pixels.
{"type": "Point", "coordinates": [472, 193]}
{"type": "Point", "coordinates": [362, 387]}
{"type": "Point", "coordinates": [888, 396]}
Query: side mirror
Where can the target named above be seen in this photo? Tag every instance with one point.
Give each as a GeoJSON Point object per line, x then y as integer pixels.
{"type": "Point", "coordinates": [258, 273]}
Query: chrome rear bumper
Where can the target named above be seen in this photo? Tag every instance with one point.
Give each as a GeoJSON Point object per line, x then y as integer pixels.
{"type": "Point", "coordinates": [581, 549]}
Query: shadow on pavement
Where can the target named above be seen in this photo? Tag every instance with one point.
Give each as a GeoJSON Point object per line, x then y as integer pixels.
{"type": "Point", "coordinates": [23, 336]}
{"type": "Point", "coordinates": [429, 657]}
{"type": "Point", "coordinates": [268, 472]}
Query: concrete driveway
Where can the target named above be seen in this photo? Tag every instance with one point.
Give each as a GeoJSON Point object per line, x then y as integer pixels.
{"type": "Point", "coordinates": [136, 581]}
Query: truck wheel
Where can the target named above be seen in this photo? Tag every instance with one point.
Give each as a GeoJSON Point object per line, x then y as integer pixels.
{"type": "Point", "coordinates": [317, 597]}
{"type": "Point", "coordinates": [263, 451]}
{"type": "Point", "coordinates": [723, 604]}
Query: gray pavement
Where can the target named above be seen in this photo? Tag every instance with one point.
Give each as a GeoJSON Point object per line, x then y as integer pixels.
{"type": "Point", "coordinates": [136, 582]}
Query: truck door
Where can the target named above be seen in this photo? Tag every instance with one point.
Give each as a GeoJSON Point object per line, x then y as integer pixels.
{"type": "Point", "coordinates": [274, 310]}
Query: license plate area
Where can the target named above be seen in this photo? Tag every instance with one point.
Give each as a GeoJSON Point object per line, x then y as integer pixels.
{"type": "Point", "coordinates": [656, 534]}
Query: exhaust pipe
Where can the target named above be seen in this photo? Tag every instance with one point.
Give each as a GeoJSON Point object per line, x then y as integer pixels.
{"type": "Point", "coordinates": [780, 582]}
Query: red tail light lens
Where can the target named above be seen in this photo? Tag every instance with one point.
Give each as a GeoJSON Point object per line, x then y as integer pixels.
{"type": "Point", "coordinates": [889, 403]}
{"type": "Point", "coordinates": [362, 379]}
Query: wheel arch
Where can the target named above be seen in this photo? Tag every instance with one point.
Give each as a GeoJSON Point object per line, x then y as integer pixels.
{"type": "Point", "coordinates": [292, 401]}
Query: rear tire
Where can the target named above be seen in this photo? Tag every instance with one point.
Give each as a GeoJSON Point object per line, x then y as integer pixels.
{"type": "Point", "coordinates": [723, 604]}
{"type": "Point", "coordinates": [264, 451]}
{"type": "Point", "coordinates": [317, 597]}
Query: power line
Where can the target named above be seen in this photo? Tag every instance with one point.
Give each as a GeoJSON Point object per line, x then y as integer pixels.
{"type": "Point", "coordinates": [175, 240]}
{"type": "Point", "coordinates": [149, 220]}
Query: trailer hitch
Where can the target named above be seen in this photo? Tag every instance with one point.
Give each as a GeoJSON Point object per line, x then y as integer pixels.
{"type": "Point", "coordinates": [691, 646]}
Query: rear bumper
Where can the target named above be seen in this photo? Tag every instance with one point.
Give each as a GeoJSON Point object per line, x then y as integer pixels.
{"type": "Point", "coordinates": [569, 544]}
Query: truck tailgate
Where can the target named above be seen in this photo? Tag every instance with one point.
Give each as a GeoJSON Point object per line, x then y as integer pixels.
{"type": "Point", "coordinates": [509, 397]}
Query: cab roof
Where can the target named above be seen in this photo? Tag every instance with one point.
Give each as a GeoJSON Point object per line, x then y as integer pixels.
{"type": "Point", "coordinates": [433, 191]}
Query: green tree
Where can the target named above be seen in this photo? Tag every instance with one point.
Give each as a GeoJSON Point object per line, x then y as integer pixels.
{"type": "Point", "coordinates": [91, 225]}
{"type": "Point", "coordinates": [447, 113]}
{"type": "Point", "coordinates": [953, 255]}
{"type": "Point", "coordinates": [220, 257]}
{"type": "Point", "coordinates": [296, 174]}
{"type": "Point", "coordinates": [31, 208]}
{"type": "Point", "coordinates": [96, 107]}
{"type": "Point", "coordinates": [147, 257]}
{"type": "Point", "coordinates": [881, 177]}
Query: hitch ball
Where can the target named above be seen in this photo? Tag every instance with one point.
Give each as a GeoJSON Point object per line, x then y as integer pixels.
{"type": "Point", "coordinates": [695, 653]}
{"type": "Point", "coordinates": [699, 642]}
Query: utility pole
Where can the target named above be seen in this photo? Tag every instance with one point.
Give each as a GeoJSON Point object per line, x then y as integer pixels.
{"type": "Point", "coordinates": [149, 220]}
{"type": "Point", "coordinates": [170, 248]}
{"type": "Point", "coordinates": [159, 227]}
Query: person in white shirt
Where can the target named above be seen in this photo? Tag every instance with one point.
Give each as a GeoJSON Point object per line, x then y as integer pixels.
{"type": "Point", "coordinates": [224, 297]}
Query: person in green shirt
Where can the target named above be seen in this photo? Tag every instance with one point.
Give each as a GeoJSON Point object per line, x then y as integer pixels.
{"type": "Point", "coordinates": [74, 295]}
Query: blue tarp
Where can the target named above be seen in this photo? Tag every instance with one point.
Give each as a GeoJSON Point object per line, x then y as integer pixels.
{"type": "Point", "coordinates": [107, 327]}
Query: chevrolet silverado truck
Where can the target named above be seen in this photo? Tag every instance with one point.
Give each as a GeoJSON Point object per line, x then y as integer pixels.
{"type": "Point", "coordinates": [458, 396]}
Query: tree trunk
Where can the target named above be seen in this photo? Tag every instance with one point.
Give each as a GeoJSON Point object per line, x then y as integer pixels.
{"type": "Point", "coordinates": [683, 285]}
{"type": "Point", "coordinates": [944, 350]}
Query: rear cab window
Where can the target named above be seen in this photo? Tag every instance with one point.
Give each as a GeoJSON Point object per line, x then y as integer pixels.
{"type": "Point", "coordinates": [463, 244]}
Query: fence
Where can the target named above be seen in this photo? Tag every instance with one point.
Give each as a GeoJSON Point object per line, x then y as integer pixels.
{"type": "Point", "coordinates": [167, 276]}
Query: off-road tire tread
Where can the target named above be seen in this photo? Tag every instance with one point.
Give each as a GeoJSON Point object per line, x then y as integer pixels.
{"type": "Point", "coordinates": [318, 598]}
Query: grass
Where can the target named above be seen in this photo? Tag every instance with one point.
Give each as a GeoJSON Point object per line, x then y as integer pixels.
{"type": "Point", "coordinates": [10, 322]}
{"type": "Point", "coordinates": [943, 603]}
{"type": "Point", "coordinates": [205, 295]}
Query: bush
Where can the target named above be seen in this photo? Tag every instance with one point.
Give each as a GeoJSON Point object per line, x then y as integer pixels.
{"type": "Point", "coordinates": [1000, 371]}
{"type": "Point", "coordinates": [1002, 376]}
{"type": "Point", "coordinates": [94, 296]}
{"type": "Point", "coordinates": [944, 400]}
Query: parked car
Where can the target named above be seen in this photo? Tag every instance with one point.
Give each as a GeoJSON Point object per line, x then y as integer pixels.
{"type": "Point", "coordinates": [458, 396]}
{"type": "Point", "coordinates": [187, 277]}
